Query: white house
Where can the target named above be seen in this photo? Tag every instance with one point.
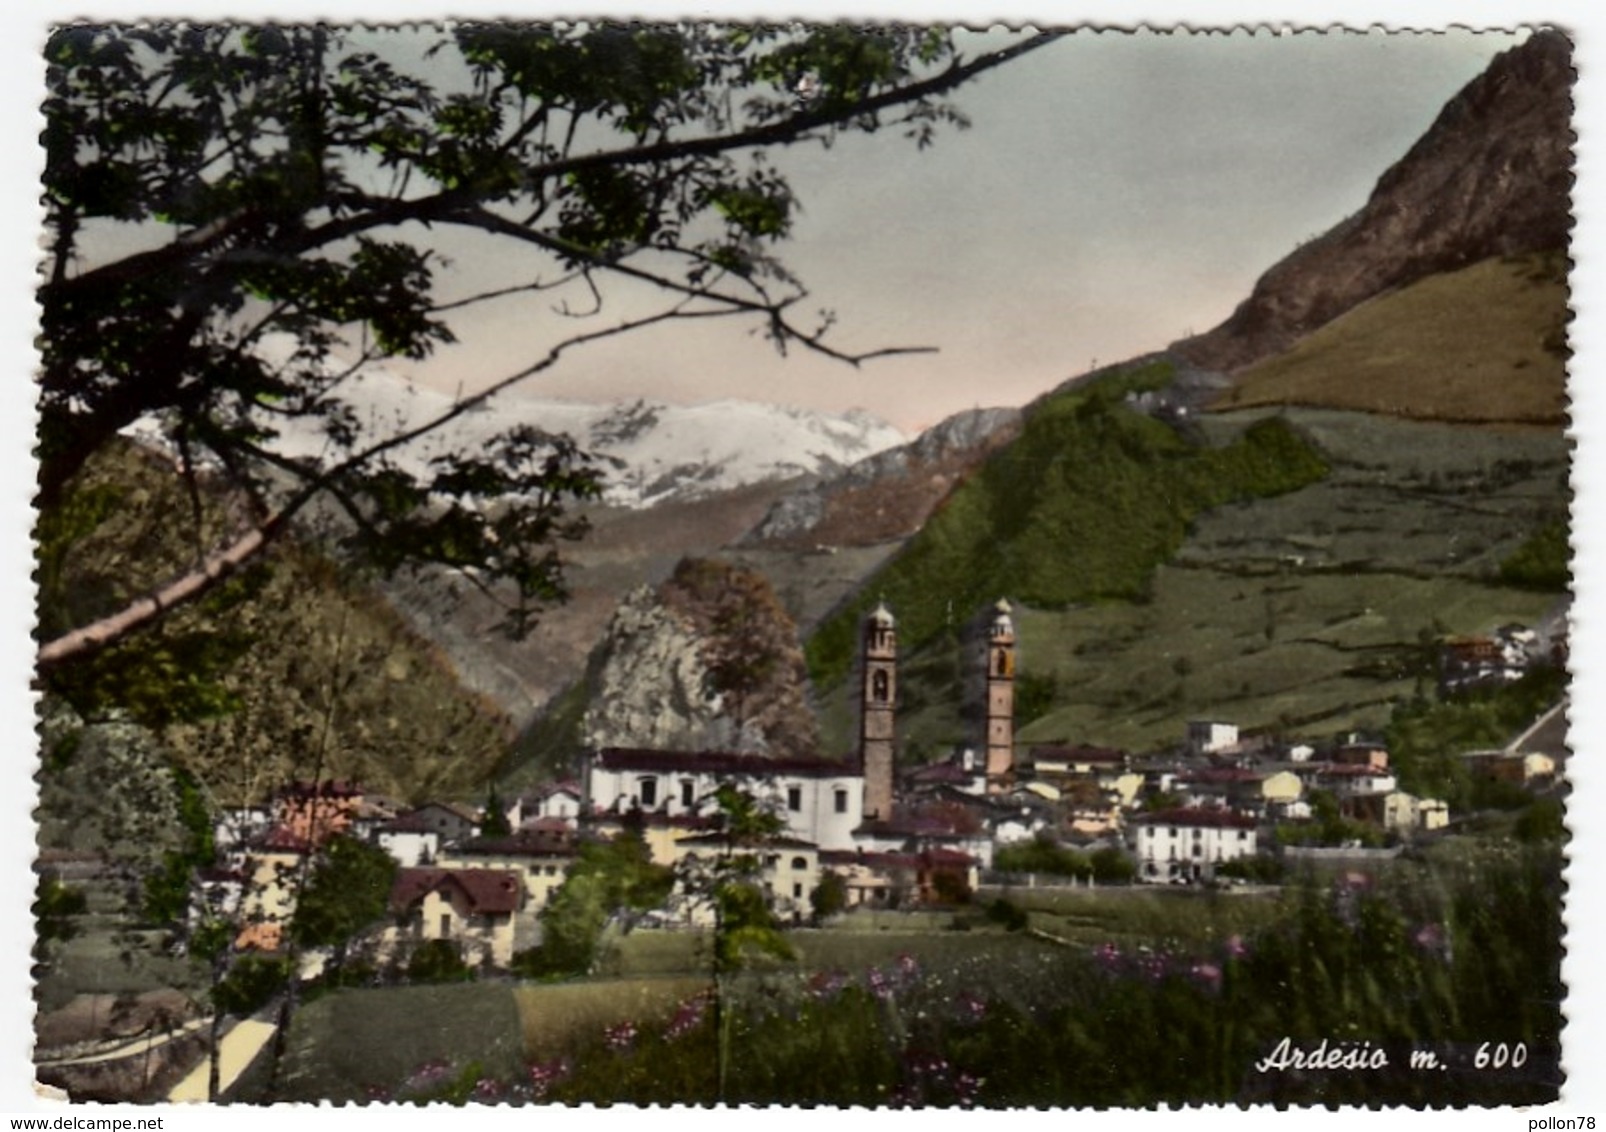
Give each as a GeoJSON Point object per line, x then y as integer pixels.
{"type": "Point", "coordinates": [1188, 844]}
{"type": "Point", "coordinates": [820, 800]}
{"type": "Point", "coordinates": [561, 800]}
{"type": "Point", "coordinates": [411, 840]}
{"type": "Point", "coordinates": [1207, 736]}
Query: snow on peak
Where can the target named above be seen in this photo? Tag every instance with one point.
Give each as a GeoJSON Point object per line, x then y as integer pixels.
{"type": "Point", "coordinates": [650, 451]}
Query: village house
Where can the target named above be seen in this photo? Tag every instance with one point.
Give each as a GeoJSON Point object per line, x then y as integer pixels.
{"type": "Point", "coordinates": [411, 840]}
{"type": "Point", "coordinates": [556, 800]}
{"type": "Point", "coordinates": [1406, 813]}
{"type": "Point", "coordinates": [273, 858]}
{"type": "Point", "coordinates": [474, 908]}
{"type": "Point", "coordinates": [788, 869]}
{"type": "Point", "coordinates": [539, 858]}
{"type": "Point", "coordinates": [1211, 736]}
{"type": "Point", "coordinates": [1188, 845]}
{"type": "Point", "coordinates": [449, 821]}
{"type": "Point", "coordinates": [901, 880]}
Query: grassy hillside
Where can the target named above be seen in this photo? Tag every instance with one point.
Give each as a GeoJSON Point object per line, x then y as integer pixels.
{"type": "Point", "coordinates": [289, 670]}
{"type": "Point", "coordinates": [1090, 499]}
{"type": "Point", "coordinates": [1487, 343]}
{"type": "Point", "coordinates": [1304, 610]}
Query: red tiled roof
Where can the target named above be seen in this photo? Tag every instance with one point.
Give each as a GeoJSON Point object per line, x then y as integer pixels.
{"type": "Point", "coordinates": [1195, 818]}
{"type": "Point", "coordinates": [719, 762]}
{"type": "Point", "coordinates": [489, 891]}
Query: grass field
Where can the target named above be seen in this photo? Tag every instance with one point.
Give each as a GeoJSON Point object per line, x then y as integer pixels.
{"type": "Point", "coordinates": [552, 1016]}
{"type": "Point", "coordinates": [346, 1041]}
{"type": "Point", "coordinates": [1480, 344]}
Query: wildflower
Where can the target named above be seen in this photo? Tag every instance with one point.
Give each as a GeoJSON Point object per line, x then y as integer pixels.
{"type": "Point", "coordinates": [376, 1094]}
{"type": "Point", "coordinates": [1236, 947]}
{"type": "Point", "coordinates": [621, 1037]}
{"type": "Point", "coordinates": [688, 1016]}
{"type": "Point", "coordinates": [487, 1089]}
{"type": "Point", "coordinates": [1207, 974]}
{"type": "Point", "coordinates": [967, 1087]}
{"type": "Point", "coordinates": [908, 966]}
{"type": "Point", "coordinates": [545, 1074]}
{"type": "Point", "coordinates": [825, 984]}
{"type": "Point", "coordinates": [880, 986]}
{"type": "Point", "coordinates": [971, 1008]}
{"type": "Point", "coordinates": [428, 1075]}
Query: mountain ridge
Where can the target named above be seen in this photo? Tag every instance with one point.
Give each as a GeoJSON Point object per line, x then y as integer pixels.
{"type": "Point", "coordinates": [1490, 177]}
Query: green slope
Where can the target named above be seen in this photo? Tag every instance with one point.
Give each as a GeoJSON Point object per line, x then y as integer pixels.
{"type": "Point", "coordinates": [1084, 506]}
{"type": "Point", "coordinates": [1302, 611]}
{"type": "Point", "coordinates": [1487, 344]}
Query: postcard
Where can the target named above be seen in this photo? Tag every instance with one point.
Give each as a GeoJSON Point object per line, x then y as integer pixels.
{"type": "Point", "coordinates": [764, 562]}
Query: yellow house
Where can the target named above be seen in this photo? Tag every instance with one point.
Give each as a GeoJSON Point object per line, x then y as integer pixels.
{"type": "Point", "coordinates": [472, 907]}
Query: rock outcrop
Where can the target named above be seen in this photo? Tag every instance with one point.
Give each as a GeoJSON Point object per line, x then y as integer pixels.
{"type": "Point", "coordinates": [1491, 177]}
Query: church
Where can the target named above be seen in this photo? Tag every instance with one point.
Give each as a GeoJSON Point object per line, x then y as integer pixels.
{"type": "Point", "coordinates": [837, 806]}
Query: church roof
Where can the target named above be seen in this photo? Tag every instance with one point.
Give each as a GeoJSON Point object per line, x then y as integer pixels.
{"type": "Point", "coordinates": [722, 763]}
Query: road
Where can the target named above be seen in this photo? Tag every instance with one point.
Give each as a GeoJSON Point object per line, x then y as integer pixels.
{"type": "Point", "coordinates": [239, 1047]}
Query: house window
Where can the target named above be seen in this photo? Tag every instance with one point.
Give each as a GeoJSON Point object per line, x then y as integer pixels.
{"type": "Point", "coordinates": [1196, 851]}
{"type": "Point", "coordinates": [880, 686]}
{"type": "Point", "coordinates": [797, 892]}
{"type": "Point", "coordinates": [1173, 831]}
{"type": "Point", "coordinates": [841, 801]}
{"type": "Point", "coordinates": [1243, 835]}
{"type": "Point", "coordinates": [688, 793]}
{"type": "Point", "coordinates": [800, 862]}
{"type": "Point", "coordinates": [647, 788]}
{"type": "Point", "coordinates": [794, 798]}
{"type": "Point", "coordinates": [446, 925]}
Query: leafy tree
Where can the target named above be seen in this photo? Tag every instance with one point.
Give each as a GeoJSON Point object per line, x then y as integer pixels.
{"type": "Point", "coordinates": [438, 961]}
{"type": "Point", "coordinates": [347, 890]}
{"type": "Point", "coordinates": [609, 878]}
{"type": "Point", "coordinates": [284, 181]}
{"type": "Point", "coordinates": [830, 895]}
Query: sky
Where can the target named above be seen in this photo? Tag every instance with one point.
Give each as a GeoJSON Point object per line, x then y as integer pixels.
{"type": "Point", "coordinates": [1092, 241]}
{"type": "Point", "coordinates": [1114, 192]}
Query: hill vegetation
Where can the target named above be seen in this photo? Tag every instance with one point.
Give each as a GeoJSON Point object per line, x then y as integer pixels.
{"type": "Point", "coordinates": [1484, 344]}
{"type": "Point", "coordinates": [289, 670]}
{"type": "Point", "coordinates": [1302, 611]}
{"type": "Point", "coordinates": [1039, 521]}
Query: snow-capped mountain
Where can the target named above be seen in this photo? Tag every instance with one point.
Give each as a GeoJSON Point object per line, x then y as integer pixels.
{"type": "Point", "coordinates": [651, 451]}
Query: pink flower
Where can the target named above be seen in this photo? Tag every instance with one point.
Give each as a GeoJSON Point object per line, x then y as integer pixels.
{"type": "Point", "coordinates": [621, 1037]}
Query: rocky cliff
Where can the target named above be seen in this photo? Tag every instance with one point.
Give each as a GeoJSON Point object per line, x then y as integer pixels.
{"type": "Point", "coordinates": [1491, 177]}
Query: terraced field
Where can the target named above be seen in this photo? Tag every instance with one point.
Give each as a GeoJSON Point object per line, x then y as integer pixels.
{"type": "Point", "coordinates": [1304, 611]}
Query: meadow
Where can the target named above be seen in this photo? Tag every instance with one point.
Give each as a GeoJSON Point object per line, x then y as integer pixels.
{"type": "Point", "coordinates": [1160, 997]}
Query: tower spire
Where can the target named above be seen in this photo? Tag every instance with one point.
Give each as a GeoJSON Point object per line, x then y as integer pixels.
{"type": "Point", "coordinates": [1000, 699]}
{"type": "Point", "coordinates": [878, 700]}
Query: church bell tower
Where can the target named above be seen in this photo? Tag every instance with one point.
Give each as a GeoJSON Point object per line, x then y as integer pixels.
{"type": "Point", "coordinates": [877, 701]}
{"type": "Point", "coordinates": [1000, 699]}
